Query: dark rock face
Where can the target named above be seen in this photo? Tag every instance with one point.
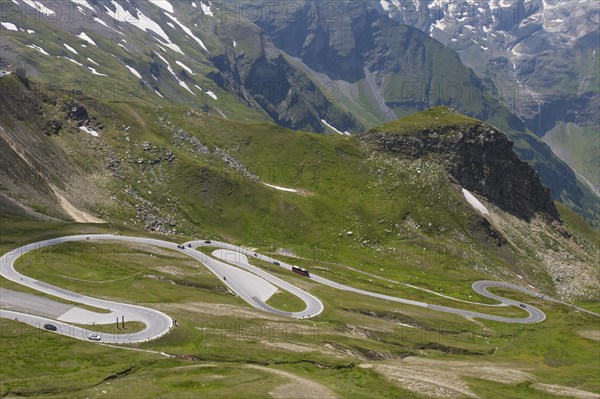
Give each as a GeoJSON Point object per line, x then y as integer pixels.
{"type": "Point", "coordinates": [581, 110]}
{"type": "Point", "coordinates": [53, 127]}
{"type": "Point", "coordinates": [76, 112]}
{"type": "Point", "coordinates": [289, 97]}
{"type": "Point", "coordinates": [481, 159]}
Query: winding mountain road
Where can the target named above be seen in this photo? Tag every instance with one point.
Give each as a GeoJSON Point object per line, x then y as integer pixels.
{"type": "Point", "coordinates": [535, 315]}
{"type": "Point", "coordinates": [250, 282]}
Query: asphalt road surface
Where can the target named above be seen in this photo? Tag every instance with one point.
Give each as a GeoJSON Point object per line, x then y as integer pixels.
{"type": "Point", "coordinates": [254, 286]}
{"type": "Point", "coordinates": [251, 283]}
{"type": "Point", "coordinates": [157, 323]}
{"type": "Point", "coordinates": [535, 315]}
{"type": "Point", "coordinates": [313, 304]}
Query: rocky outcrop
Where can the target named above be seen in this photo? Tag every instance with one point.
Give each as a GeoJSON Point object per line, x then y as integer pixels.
{"type": "Point", "coordinates": [195, 146]}
{"type": "Point", "coordinates": [77, 113]}
{"type": "Point", "coordinates": [481, 159]}
{"type": "Point", "coordinates": [53, 127]}
{"type": "Point", "coordinates": [152, 215]}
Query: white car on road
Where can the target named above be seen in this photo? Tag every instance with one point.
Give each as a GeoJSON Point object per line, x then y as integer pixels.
{"type": "Point", "coordinates": [95, 336]}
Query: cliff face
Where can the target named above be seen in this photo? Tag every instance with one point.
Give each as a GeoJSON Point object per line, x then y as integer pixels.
{"type": "Point", "coordinates": [481, 159]}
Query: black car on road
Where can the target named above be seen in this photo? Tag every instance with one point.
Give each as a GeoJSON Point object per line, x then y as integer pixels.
{"type": "Point", "coordinates": [50, 327]}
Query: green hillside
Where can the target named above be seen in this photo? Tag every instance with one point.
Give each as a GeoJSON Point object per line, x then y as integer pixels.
{"type": "Point", "coordinates": [192, 120]}
{"type": "Point", "coordinates": [429, 119]}
{"type": "Point", "coordinates": [213, 184]}
{"type": "Point", "coordinates": [359, 216]}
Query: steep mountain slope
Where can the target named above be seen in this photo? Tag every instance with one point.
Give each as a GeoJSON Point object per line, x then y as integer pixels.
{"type": "Point", "coordinates": [321, 69]}
{"type": "Point", "coordinates": [167, 54]}
{"type": "Point", "coordinates": [390, 70]}
{"type": "Point", "coordinates": [178, 171]}
{"type": "Point", "coordinates": [42, 175]}
{"type": "Point", "coordinates": [579, 147]}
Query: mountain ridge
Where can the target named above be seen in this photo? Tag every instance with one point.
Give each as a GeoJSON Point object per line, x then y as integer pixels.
{"type": "Point", "coordinates": [229, 70]}
{"type": "Point", "coordinates": [478, 156]}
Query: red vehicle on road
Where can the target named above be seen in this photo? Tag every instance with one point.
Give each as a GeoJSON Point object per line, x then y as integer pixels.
{"type": "Point", "coordinates": [301, 271]}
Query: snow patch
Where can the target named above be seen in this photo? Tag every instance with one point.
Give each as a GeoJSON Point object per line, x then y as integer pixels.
{"type": "Point", "coordinates": [133, 71]}
{"type": "Point", "coordinates": [92, 61]}
{"type": "Point", "coordinates": [141, 22]}
{"type": "Point", "coordinates": [83, 3]}
{"type": "Point", "coordinates": [474, 202]}
{"type": "Point", "coordinates": [71, 49]}
{"type": "Point", "coordinates": [206, 9]}
{"type": "Point", "coordinates": [39, 6]}
{"type": "Point", "coordinates": [30, 31]}
{"type": "Point", "coordinates": [185, 67]}
{"type": "Point", "coordinates": [101, 22]}
{"type": "Point", "coordinates": [187, 30]}
{"type": "Point", "coordinates": [41, 50]}
{"type": "Point", "coordinates": [440, 24]}
{"type": "Point", "coordinates": [211, 95]}
{"type": "Point", "coordinates": [73, 61]}
{"type": "Point", "coordinates": [9, 26]}
{"type": "Point", "coordinates": [346, 133]}
{"type": "Point", "coordinates": [172, 72]}
{"type": "Point", "coordinates": [96, 72]}
{"type": "Point", "coordinates": [289, 190]}
{"type": "Point", "coordinates": [89, 131]}
{"type": "Point", "coordinates": [185, 86]}
{"type": "Point", "coordinates": [166, 62]}
{"type": "Point", "coordinates": [165, 5]}
{"type": "Point", "coordinates": [85, 37]}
